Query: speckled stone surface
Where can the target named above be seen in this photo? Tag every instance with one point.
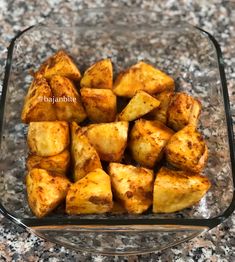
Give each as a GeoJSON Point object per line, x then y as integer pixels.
{"type": "Point", "coordinates": [218, 18]}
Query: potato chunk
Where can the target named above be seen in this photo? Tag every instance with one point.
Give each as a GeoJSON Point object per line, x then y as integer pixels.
{"type": "Point", "coordinates": [58, 163]}
{"type": "Point", "coordinates": [139, 105]}
{"type": "Point", "coordinates": [100, 104]}
{"type": "Point", "coordinates": [109, 139]}
{"type": "Point", "coordinates": [187, 150]}
{"type": "Point", "coordinates": [176, 190]}
{"type": "Point", "coordinates": [68, 104]}
{"type": "Point", "coordinates": [160, 113]}
{"type": "Point", "coordinates": [183, 110]}
{"type": "Point", "coordinates": [85, 158]}
{"type": "Point", "coordinates": [59, 64]}
{"type": "Point", "coordinates": [48, 138]}
{"type": "Point", "coordinates": [147, 141]}
{"type": "Point", "coordinates": [90, 195]}
{"type": "Point", "coordinates": [45, 191]}
{"type": "Point", "coordinates": [142, 76]}
{"type": "Point", "coordinates": [37, 105]}
{"type": "Point", "coordinates": [133, 186]}
{"type": "Point", "coordinates": [99, 75]}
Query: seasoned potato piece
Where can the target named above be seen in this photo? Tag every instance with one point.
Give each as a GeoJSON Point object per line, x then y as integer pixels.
{"type": "Point", "coordinates": [187, 150]}
{"type": "Point", "coordinates": [100, 104]}
{"type": "Point", "coordinates": [139, 105]}
{"type": "Point", "coordinates": [36, 107]}
{"type": "Point", "coordinates": [99, 75]}
{"type": "Point", "coordinates": [45, 191]}
{"type": "Point", "coordinates": [142, 76]}
{"type": "Point", "coordinates": [133, 186]}
{"type": "Point", "coordinates": [147, 141]}
{"type": "Point", "coordinates": [108, 139]}
{"type": "Point", "coordinates": [59, 64]}
{"type": "Point", "coordinates": [90, 195]}
{"type": "Point", "coordinates": [160, 113]}
{"type": "Point", "coordinates": [58, 163]}
{"type": "Point", "coordinates": [176, 190]}
{"type": "Point", "coordinates": [68, 104]}
{"type": "Point", "coordinates": [85, 158]}
{"type": "Point", "coordinates": [183, 110]}
{"type": "Point", "coordinates": [48, 138]}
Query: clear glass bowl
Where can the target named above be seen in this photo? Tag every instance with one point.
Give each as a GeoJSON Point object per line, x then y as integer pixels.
{"type": "Point", "coordinates": [189, 54]}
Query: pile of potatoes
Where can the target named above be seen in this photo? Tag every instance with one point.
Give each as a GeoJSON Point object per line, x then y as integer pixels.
{"type": "Point", "coordinates": [99, 159]}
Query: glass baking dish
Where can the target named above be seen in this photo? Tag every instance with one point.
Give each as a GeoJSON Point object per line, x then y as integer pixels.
{"type": "Point", "coordinates": [189, 54]}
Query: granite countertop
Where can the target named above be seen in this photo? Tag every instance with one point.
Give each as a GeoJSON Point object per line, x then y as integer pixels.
{"type": "Point", "coordinates": [217, 17]}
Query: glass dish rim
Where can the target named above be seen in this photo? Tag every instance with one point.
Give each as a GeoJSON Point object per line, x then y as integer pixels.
{"type": "Point", "coordinates": [206, 222]}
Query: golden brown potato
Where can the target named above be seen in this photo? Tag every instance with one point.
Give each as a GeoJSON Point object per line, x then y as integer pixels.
{"type": "Point", "coordinates": [142, 76]}
{"type": "Point", "coordinates": [45, 191]}
{"type": "Point", "coordinates": [187, 150]}
{"type": "Point", "coordinates": [90, 195]}
{"type": "Point", "coordinates": [160, 113]}
{"type": "Point", "coordinates": [147, 141]}
{"type": "Point", "coordinates": [37, 104]}
{"type": "Point", "coordinates": [183, 110]}
{"type": "Point", "coordinates": [99, 75]}
{"type": "Point", "coordinates": [85, 158]}
{"type": "Point", "coordinates": [109, 139]}
{"type": "Point", "coordinates": [133, 186]}
{"type": "Point", "coordinates": [58, 163]}
{"type": "Point", "coordinates": [48, 138]}
{"type": "Point", "coordinates": [100, 104]}
{"type": "Point", "coordinates": [68, 104]}
{"type": "Point", "coordinates": [176, 190]}
{"type": "Point", "coordinates": [59, 64]}
{"type": "Point", "coordinates": [139, 105]}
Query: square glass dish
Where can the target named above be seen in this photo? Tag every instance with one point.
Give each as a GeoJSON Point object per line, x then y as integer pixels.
{"type": "Point", "coordinates": [190, 55]}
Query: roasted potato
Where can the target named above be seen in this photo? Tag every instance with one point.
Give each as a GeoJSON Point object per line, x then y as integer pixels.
{"type": "Point", "coordinates": [45, 190]}
{"type": "Point", "coordinates": [147, 141]}
{"type": "Point", "coordinates": [85, 158]}
{"type": "Point", "coordinates": [109, 139]}
{"type": "Point", "coordinates": [140, 104]}
{"type": "Point", "coordinates": [187, 150]}
{"type": "Point", "coordinates": [176, 190]}
{"type": "Point", "coordinates": [58, 163]}
{"type": "Point", "coordinates": [68, 104]}
{"type": "Point", "coordinates": [90, 195]}
{"type": "Point", "coordinates": [59, 64]}
{"type": "Point", "coordinates": [100, 104]}
{"type": "Point", "coordinates": [133, 186]}
{"type": "Point", "coordinates": [53, 104]}
{"type": "Point", "coordinates": [160, 113]}
{"type": "Point", "coordinates": [48, 138]}
{"type": "Point", "coordinates": [142, 76]}
{"type": "Point", "coordinates": [183, 110]}
{"type": "Point", "coordinates": [37, 104]}
{"type": "Point", "coordinates": [99, 75]}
